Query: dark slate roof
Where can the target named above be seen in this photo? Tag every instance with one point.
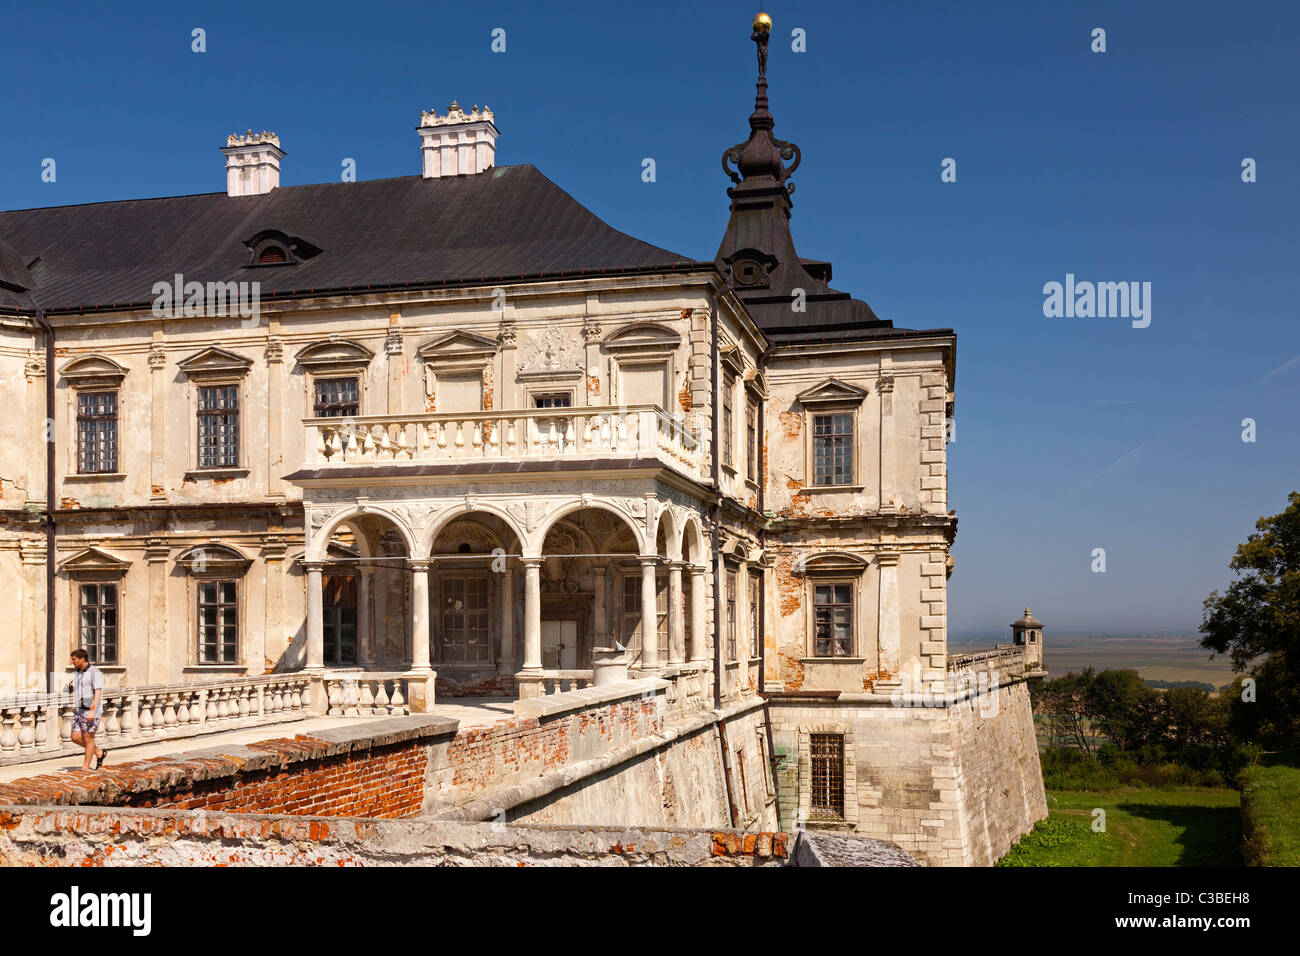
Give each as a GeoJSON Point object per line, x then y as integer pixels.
{"type": "Point", "coordinates": [15, 280]}
{"type": "Point", "coordinates": [508, 223]}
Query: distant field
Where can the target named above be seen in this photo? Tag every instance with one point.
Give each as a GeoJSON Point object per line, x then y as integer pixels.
{"type": "Point", "coordinates": [1172, 827]}
{"type": "Point", "coordinates": [1155, 658]}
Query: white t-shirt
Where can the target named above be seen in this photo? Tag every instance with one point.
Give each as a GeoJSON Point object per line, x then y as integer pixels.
{"type": "Point", "coordinates": [84, 684]}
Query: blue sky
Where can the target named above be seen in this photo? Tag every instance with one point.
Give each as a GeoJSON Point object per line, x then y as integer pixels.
{"type": "Point", "coordinates": [1072, 433]}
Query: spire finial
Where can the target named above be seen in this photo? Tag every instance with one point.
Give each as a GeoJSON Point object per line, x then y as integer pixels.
{"type": "Point", "coordinates": [762, 31]}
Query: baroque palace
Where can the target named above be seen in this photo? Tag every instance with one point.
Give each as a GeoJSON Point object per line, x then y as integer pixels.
{"type": "Point", "coordinates": [456, 427]}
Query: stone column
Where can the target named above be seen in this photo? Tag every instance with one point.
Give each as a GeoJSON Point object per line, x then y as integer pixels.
{"type": "Point", "coordinates": [274, 411]}
{"type": "Point", "coordinates": [699, 646]}
{"type": "Point", "coordinates": [506, 662]}
{"type": "Point", "coordinates": [158, 667]}
{"type": "Point", "coordinates": [598, 609]}
{"type": "Point", "coordinates": [532, 613]}
{"type": "Point", "coordinates": [420, 615]}
{"type": "Point", "coordinates": [157, 420]}
{"type": "Point", "coordinates": [365, 617]}
{"type": "Point", "coordinates": [888, 641]}
{"type": "Point", "coordinates": [676, 615]}
{"type": "Point", "coordinates": [315, 616]}
{"type": "Point", "coordinates": [649, 617]}
{"type": "Point", "coordinates": [888, 475]}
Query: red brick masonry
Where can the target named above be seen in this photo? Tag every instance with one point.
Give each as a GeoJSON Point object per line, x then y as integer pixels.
{"type": "Point", "coordinates": [369, 770]}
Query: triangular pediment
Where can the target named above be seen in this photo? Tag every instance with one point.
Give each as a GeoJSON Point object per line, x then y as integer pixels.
{"type": "Point", "coordinates": [457, 344]}
{"type": "Point", "coordinates": [94, 559]}
{"type": "Point", "coordinates": [213, 360]}
{"type": "Point", "coordinates": [832, 390]}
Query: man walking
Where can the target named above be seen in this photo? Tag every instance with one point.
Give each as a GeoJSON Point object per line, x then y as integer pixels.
{"type": "Point", "coordinates": [87, 690]}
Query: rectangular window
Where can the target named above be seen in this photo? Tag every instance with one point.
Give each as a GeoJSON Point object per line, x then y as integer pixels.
{"type": "Point", "coordinates": [339, 618]}
{"type": "Point", "coordinates": [827, 775]}
{"type": "Point", "coordinates": [833, 449]}
{"type": "Point", "coordinates": [731, 615]}
{"type": "Point", "coordinates": [754, 583]}
{"type": "Point", "coordinates": [751, 441]}
{"type": "Point", "coordinates": [631, 629]}
{"type": "Point", "coordinates": [832, 620]}
{"type": "Point", "coordinates": [218, 623]}
{"type": "Point", "coordinates": [98, 634]}
{"type": "Point", "coordinates": [96, 432]}
{"type": "Point", "coordinates": [337, 398]}
{"type": "Point", "coordinates": [466, 620]}
{"type": "Point", "coordinates": [727, 423]}
{"type": "Point", "coordinates": [219, 426]}
{"type": "Point", "coordinates": [553, 400]}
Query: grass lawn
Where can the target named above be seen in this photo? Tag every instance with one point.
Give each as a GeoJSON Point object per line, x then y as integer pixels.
{"type": "Point", "coordinates": [1270, 796]}
{"type": "Point", "coordinates": [1174, 827]}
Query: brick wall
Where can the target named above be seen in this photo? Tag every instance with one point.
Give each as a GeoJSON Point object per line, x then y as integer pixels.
{"type": "Point", "coordinates": [372, 770]}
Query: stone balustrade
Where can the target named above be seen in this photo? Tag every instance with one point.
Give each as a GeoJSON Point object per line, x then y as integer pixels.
{"type": "Point", "coordinates": [594, 432]}
{"type": "Point", "coordinates": [553, 682]}
{"type": "Point", "coordinates": [38, 726]}
{"type": "Point", "coordinates": [368, 694]}
{"type": "Point", "coordinates": [1001, 664]}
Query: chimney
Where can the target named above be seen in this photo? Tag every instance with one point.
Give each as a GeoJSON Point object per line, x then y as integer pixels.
{"type": "Point", "coordinates": [457, 144]}
{"type": "Point", "coordinates": [252, 163]}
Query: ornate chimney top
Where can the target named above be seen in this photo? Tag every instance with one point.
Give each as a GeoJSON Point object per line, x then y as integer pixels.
{"type": "Point", "coordinates": [252, 163]}
{"type": "Point", "coordinates": [459, 143]}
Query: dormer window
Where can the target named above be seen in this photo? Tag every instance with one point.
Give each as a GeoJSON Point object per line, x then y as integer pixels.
{"type": "Point", "coordinates": [270, 247]}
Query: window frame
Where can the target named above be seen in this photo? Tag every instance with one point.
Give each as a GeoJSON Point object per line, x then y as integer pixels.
{"type": "Point", "coordinates": [80, 395]}
{"type": "Point", "coordinates": [240, 430]}
{"type": "Point", "coordinates": [755, 579]}
{"type": "Point", "coordinates": [630, 586]}
{"type": "Point", "coordinates": [99, 582]}
{"type": "Point", "coordinates": [490, 611]}
{"type": "Point", "coordinates": [728, 419]}
{"type": "Point", "coordinates": [834, 582]}
{"type": "Point", "coordinates": [833, 397]}
{"type": "Point", "coordinates": [731, 587]}
{"type": "Point", "coordinates": [833, 437]}
{"type": "Point", "coordinates": [328, 377]}
{"type": "Point", "coordinates": [217, 578]}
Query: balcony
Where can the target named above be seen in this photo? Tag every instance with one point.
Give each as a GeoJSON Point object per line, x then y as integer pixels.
{"type": "Point", "coordinates": [594, 433]}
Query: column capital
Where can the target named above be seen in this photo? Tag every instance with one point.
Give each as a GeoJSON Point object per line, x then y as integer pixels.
{"type": "Point", "coordinates": [650, 559]}
{"type": "Point", "coordinates": [418, 564]}
{"type": "Point", "coordinates": [531, 561]}
{"type": "Point", "coordinates": [887, 559]}
{"type": "Point", "coordinates": [313, 565]}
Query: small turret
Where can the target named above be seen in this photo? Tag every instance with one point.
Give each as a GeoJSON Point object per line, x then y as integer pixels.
{"type": "Point", "coordinates": [1028, 633]}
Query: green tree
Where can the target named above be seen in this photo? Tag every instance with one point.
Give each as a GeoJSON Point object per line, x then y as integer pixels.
{"type": "Point", "coordinates": [1124, 708]}
{"type": "Point", "coordinates": [1257, 622]}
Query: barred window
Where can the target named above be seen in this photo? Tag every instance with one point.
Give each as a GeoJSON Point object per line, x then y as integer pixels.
{"type": "Point", "coordinates": [553, 400]}
{"type": "Point", "coordinates": [832, 620]}
{"type": "Point", "coordinates": [98, 634]}
{"type": "Point", "coordinates": [218, 622]}
{"type": "Point", "coordinates": [754, 584]}
{"type": "Point", "coordinates": [728, 386]}
{"type": "Point", "coordinates": [219, 426]}
{"type": "Point", "coordinates": [751, 440]}
{"type": "Point", "coordinates": [833, 449]}
{"type": "Point", "coordinates": [631, 629]}
{"type": "Point", "coordinates": [466, 619]}
{"type": "Point", "coordinates": [96, 432]}
{"type": "Point", "coordinates": [827, 775]}
{"type": "Point", "coordinates": [337, 397]}
{"type": "Point", "coordinates": [339, 618]}
{"type": "Point", "coordinates": [731, 615]}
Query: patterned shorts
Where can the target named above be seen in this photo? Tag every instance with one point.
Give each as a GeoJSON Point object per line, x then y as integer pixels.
{"type": "Point", "coordinates": [87, 725]}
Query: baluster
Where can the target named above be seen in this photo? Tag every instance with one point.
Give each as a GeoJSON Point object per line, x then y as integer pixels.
{"type": "Point", "coordinates": [26, 728]}
{"type": "Point", "coordinates": [476, 439]}
{"type": "Point", "coordinates": [367, 702]}
{"type": "Point", "coordinates": [170, 719]}
{"type": "Point", "coordinates": [182, 710]}
{"type": "Point", "coordinates": [208, 700]}
{"type": "Point", "coordinates": [128, 718]}
{"type": "Point", "coordinates": [146, 716]}
{"type": "Point", "coordinates": [442, 436]}
{"type": "Point", "coordinates": [65, 724]}
{"type": "Point", "coordinates": [460, 439]}
{"type": "Point", "coordinates": [277, 697]}
{"type": "Point", "coordinates": [8, 736]}
{"type": "Point", "coordinates": [350, 698]}
{"type": "Point", "coordinates": [397, 702]}
{"type": "Point", "coordinates": [511, 438]}
{"type": "Point", "coordinates": [301, 696]}
{"type": "Point", "coordinates": [381, 698]}
{"type": "Point", "coordinates": [42, 725]}
{"type": "Point", "coordinates": [243, 704]}
{"type": "Point", "coordinates": [159, 718]}
{"type": "Point", "coordinates": [335, 697]}
{"type": "Point", "coordinates": [112, 723]}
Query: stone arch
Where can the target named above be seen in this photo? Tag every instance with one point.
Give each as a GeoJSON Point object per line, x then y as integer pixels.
{"type": "Point", "coordinates": [320, 538]}
{"type": "Point", "coordinates": [669, 533]}
{"type": "Point", "coordinates": [538, 539]}
{"type": "Point", "coordinates": [692, 547]}
{"type": "Point", "coordinates": [439, 522]}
